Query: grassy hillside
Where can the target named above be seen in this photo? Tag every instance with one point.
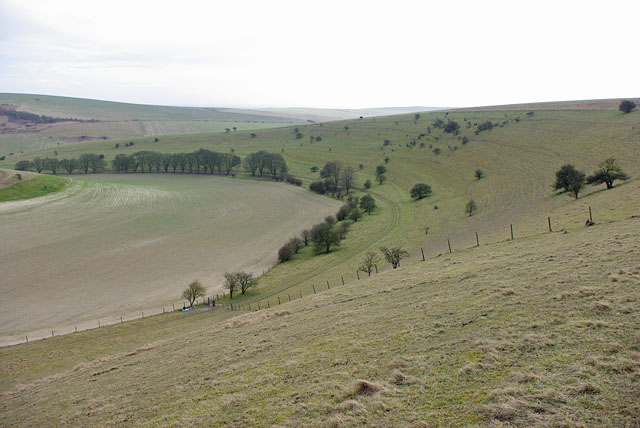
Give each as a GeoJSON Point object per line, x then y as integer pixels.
{"type": "Point", "coordinates": [37, 186]}
{"type": "Point", "coordinates": [538, 331]}
{"type": "Point", "coordinates": [519, 158]}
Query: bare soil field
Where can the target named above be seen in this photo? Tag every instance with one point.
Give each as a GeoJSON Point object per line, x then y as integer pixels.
{"type": "Point", "coordinates": [123, 244]}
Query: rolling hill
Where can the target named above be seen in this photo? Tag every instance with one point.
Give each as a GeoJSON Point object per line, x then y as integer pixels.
{"type": "Point", "coordinates": [539, 330]}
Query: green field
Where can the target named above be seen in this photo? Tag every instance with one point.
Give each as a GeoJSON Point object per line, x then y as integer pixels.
{"type": "Point", "coordinates": [536, 331]}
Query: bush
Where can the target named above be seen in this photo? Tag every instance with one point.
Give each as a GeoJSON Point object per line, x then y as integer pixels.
{"type": "Point", "coordinates": [479, 174]}
{"type": "Point", "coordinates": [626, 106]}
{"type": "Point", "coordinates": [451, 127]}
{"type": "Point", "coordinates": [317, 186]}
{"type": "Point", "coordinates": [487, 125]}
{"type": "Point", "coordinates": [367, 184]}
{"type": "Point", "coordinates": [471, 208]}
{"type": "Point", "coordinates": [367, 203]}
{"type": "Point", "coordinates": [420, 191]}
{"type": "Point", "coordinates": [285, 253]}
{"type": "Point", "coordinates": [343, 212]}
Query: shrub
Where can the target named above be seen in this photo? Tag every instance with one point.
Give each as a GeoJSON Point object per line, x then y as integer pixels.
{"type": "Point", "coordinates": [285, 253]}
{"type": "Point", "coordinates": [437, 151]}
{"type": "Point", "coordinates": [451, 127]}
{"type": "Point", "coordinates": [479, 174]}
{"type": "Point", "coordinates": [317, 186]}
{"type": "Point", "coordinates": [343, 212]}
{"type": "Point", "coordinates": [626, 106]}
{"type": "Point", "coordinates": [471, 208]}
{"type": "Point", "coordinates": [420, 190]}
{"type": "Point", "coordinates": [367, 184]}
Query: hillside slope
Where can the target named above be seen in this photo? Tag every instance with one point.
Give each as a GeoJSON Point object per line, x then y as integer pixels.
{"type": "Point", "coordinates": [540, 331]}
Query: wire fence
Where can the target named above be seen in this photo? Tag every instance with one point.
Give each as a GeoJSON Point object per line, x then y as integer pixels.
{"type": "Point", "coordinates": [220, 302]}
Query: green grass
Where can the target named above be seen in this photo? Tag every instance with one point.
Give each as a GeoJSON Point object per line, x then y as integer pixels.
{"type": "Point", "coordinates": [38, 186]}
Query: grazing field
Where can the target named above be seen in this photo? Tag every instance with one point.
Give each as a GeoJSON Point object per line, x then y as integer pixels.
{"type": "Point", "coordinates": [122, 244]}
{"type": "Point", "coordinates": [540, 331]}
{"type": "Point", "coordinates": [519, 157]}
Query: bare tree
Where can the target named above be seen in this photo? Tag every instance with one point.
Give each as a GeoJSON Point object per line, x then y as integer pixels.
{"type": "Point", "coordinates": [348, 178]}
{"type": "Point", "coordinates": [369, 262]}
{"type": "Point", "coordinates": [245, 281]}
{"type": "Point", "coordinates": [231, 283]}
{"type": "Point", "coordinates": [394, 255]}
{"type": "Point", "coordinates": [193, 291]}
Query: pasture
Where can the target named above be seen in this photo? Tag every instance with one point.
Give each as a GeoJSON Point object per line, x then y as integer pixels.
{"type": "Point", "coordinates": [519, 158]}
{"type": "Point", "coordinates": [112, 245]}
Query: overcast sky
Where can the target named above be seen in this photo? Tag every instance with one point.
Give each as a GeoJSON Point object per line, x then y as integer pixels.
{"type": "Point", "coordinates": [338, 54]}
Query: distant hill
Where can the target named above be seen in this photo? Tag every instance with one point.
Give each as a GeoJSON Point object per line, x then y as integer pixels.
{"type": "Point", "coordinates": [605, 104]}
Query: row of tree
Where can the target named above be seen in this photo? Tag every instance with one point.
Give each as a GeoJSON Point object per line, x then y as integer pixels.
{"type": "Point", "coordinates": [327, 235]}
{"type": "Point", "coordinates": [337, 179]}
{"type": "Point", "coordinates": [201, 161]}
{"type": "Point", "coordinates": [569, 179]}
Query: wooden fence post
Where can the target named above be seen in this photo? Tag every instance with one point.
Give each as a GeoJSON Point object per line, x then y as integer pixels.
{"type": "Point", "coordinates": [314, 288]}
{"type": "Point", "coordinates": [27, 337]}
{"type": "Point", "coordinates": [51, 333]}
{"type": "Point", "coordinates": [328, 286]}
{"type": "Point", "coordinates": [342, 277]}
{"type": "Point", "coordinates": [278, 300]}
{"type": "Point", "coordinates": [300, 291]}
{"type": "Point", "coordinates": [512, 232]}
{"type": "Point", "coordinates": [376, 268]}
{"type": "Point", "coordinates": [477, 240]}
{"type": "Point", "coordinates": [449, 244]}
{"type": "Point", "coordinates": [268, 304]}
{"type": "Point", "coordinates": [422, 249]}
{"type": "Point", "coordinates": [358, 274]}
{"type": "Point", "coordinates": [590, 216]}
{"type": "Point", "coordinates": [549, 219]}
{"type": "Point", "coordinates": [289, 296]}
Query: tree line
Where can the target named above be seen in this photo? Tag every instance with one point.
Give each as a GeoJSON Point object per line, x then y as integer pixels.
{"type": "Point", "coordinates": [204, 161]}
{"type": "Point", "coordinates": [328, 234]}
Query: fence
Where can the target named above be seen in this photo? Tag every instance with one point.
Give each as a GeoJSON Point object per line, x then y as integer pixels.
{"type": "Point", "coordinates": [278, 298]}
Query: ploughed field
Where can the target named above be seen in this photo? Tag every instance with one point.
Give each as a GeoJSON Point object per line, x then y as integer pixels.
{"type": "Point", "coordinates": [112, 245]}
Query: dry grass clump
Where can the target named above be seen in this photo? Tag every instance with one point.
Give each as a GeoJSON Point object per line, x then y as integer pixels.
{"type": "Point", "coordinates": [400, 378]}
{"type": "Point", "coordinates": [593, 324]}
{"type": "Point", "coordinates": [586, 388]}
{"type": "Point", "coordinates": [600, 306]}
{"type": "Point", "coordinates": [471, 368]}
{"type": "Point", "coordinates": [363, 387]}
{"type": "Point", "coordinates": [526, 377]}
{"type": "Point", "coordinates": [249, 319]}
{"type": "Point", "coordinates": [352, 406]}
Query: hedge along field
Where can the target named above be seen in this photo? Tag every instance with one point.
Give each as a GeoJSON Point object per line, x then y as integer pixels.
{"type": "Point", "coordinates": [123, 243]}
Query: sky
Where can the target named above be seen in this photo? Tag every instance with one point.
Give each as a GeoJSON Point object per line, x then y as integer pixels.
{"type": "Point", "coordinates": [331, 54]}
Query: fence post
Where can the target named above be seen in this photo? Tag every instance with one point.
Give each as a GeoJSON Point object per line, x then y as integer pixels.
{"type": "Point", "coordinates": [76, 329]}
{"type": "Point", "coordinates": [449, 244]}
{"type": "Point", "coordinates": [358, 274]}
{"type": "Point", "coordinates": [342, 277]}
{"type": "Point", "coordinates": [328, 286]}
{"type": "Point", "coordinates": [477, 240]}
{"type": "Point", "coordinates": [300, 291]}
{"type": "Point", "coordinates": [314, 288]}
{"type": "Point", "coordinates": [376, 268]}
{"type": "Point", "coordinates": [27, 337]}
{"type": "Point", "coordinates": [512, 232]}
{"type": "Point", "coordinates": [590, 217]}
{"type": "Point", "coordinates": [268, 304]}
{"type": "Point", "coordinates": [51, 333]}
{"type": "Point", "coordinates": [422, 249]}
{"type": "Point", "coordinates": [121, 320]}
{"type": "Point", "coordinates": [549, 218]}
{"type": "Point", "coordinates": [258, 305]}
{"type": "Point", "coordinates": [279, 300]}
{"type": "Point", "coordinates": [142, 314]}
